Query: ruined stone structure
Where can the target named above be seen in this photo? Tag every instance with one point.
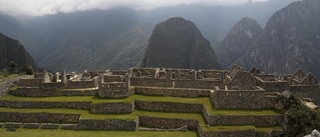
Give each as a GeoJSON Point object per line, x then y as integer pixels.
{"type": "Point", "coordinates": [233, 89]}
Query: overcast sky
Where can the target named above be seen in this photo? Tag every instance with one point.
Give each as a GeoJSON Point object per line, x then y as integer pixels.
{"type": "Point", "coordinates": [42, 7]}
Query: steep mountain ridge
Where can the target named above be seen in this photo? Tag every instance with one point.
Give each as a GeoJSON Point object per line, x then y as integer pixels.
{"type": "Point", "coordinates": [12, 50]}
{"type": "Point", "coordinates": [237, 41]}
{"type": "Point", "coordinates": [178, 43]}
{"type": "Point", "coordinates": [290, 40]}
{"type": "Point", "coordinates": [13, 29]}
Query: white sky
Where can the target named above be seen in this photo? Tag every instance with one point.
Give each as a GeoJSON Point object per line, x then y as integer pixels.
{"type": "Point", "coordinates": [42, 7]}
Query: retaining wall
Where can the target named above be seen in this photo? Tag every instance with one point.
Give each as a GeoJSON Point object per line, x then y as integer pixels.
{"type": "Point", "coordinates": [114, 125]}
{"type": "Point", "coordinates": [44, 104]}
{"type": "Point", "coordinates": [39, 117]}
{"type": "Point", "coordinates": [257, 120]}
{"type": "Point", "coordinates": [167, 123]}
{"type": "Point", "coordinates": [168, 106]}
{"type": "Point", "coordinates": [190, 93]}
{"type": "Point", "coordinates": [247, 99]}
{"type": "Point", "coordinates": [36, 92]}
{"type": "Point", "coordinates": [117, 108]}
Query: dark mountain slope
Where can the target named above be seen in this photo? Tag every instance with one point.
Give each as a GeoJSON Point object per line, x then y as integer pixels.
{"type": "Point", "coordinates": [13, 29]}
{"type": "Point", "coordinates": [12, 50]}
{"type": "Point", "coordinates": [237, 41]}
{"type": "Point", "coordinates": [290, 40]}
{"type": "Point", "coordinates": [88, 40]}
{"type": "Point", "coordinates": [177, 43]}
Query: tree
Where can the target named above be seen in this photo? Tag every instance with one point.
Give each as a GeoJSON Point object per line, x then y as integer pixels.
{"type": "Point", "coordinates": [12, 67]}
{"type": "Point", "coordinates": [27, 69]}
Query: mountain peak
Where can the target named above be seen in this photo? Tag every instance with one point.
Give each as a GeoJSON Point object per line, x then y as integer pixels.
{"type": "Point", "coordinates": [178, 43]}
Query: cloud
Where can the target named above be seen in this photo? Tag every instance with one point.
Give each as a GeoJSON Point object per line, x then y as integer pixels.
{"type": "Point", "coordinates": [43, 7]}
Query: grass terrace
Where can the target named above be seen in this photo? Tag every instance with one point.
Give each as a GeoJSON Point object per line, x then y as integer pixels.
{"type": "Point", "coordinates": [94, 99]}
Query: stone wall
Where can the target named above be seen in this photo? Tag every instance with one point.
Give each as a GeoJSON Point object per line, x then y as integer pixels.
{"type": "Point", "coordinates": [168, 106]}
{"type": "Point", "coordinates": [167, 123]}
{"type": "Point", "coordinates": [4, 86]}
{"type": "Point", "coordinates": [114, 125]}
{"type": "Point", "coordinates": [198, 84]}
{"type": "Point", "coordinates": [151, 82]}
{"type": "Point", "coordinates": [257, 120]}
{"type": "Point", "coordinates": [31, 125]}
{"type": "Point", "coordinates": [272, 86]}
{"type": "Point", "coordinates": [39, 117]}
{"type": "Point", "coordinates": [81, 84]}
{"type": "Point", "coordinates": [52, 86]}
{"type": "Point", "coordinates": [114, 90]}
{"type": "Point", "coordinates": [30, 82]}
{"type": "Point", "coordinates": [247, 99]}
{"type": "Point", "coordinates": [238, 133]}
{"type": "Point", "coordinates": [117, 108]}
{"type": "Point", "coordinates": [36, 92]}
{"type": "Point", "coordinates": [190, 93]}
{"type": "Point", "coordinates": [113, 78]}
{"type": "Point", "coordinates": [44, 104]}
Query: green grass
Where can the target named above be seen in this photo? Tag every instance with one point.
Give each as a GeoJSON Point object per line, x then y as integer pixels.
{"type": "Point", "coordinates": [228, 128]}
{"type": "Point", "coordinates": [70, 133]}
{"type": "Point", "coordinates": [2, 79]}
{"type": "Point", "coordinates": [268, 129]}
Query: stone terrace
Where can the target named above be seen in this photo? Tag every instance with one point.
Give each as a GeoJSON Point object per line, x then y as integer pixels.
{"type": "Point", "coordinates": [210, 102]}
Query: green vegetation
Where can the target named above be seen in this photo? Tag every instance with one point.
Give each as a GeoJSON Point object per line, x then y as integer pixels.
{"type": "Point", "coordinates": [301, 119]}
{"type": "Point", "coordinates": [13, 69]}
{"type": "Point", "coordinates": [71, 133]}
{"type": "Point", "coordinates": [7, 76]}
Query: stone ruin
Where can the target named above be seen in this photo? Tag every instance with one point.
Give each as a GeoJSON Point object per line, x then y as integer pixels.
{"type": "Point", "coordinates": [226, 89]}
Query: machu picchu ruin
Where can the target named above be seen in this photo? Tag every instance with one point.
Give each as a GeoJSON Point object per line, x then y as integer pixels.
{"type": "Point", "coordinates": [213, 103]}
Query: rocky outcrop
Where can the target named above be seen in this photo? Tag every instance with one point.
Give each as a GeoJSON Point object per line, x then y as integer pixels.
{"type": "Point", "coordinates": [237, 41]}
{"type": "Point", "coordinates": [178, 43]}
{"type": "Point", "coordinates": [289, 41]}
{"type": "Point", "coordinates": [12, 50]}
